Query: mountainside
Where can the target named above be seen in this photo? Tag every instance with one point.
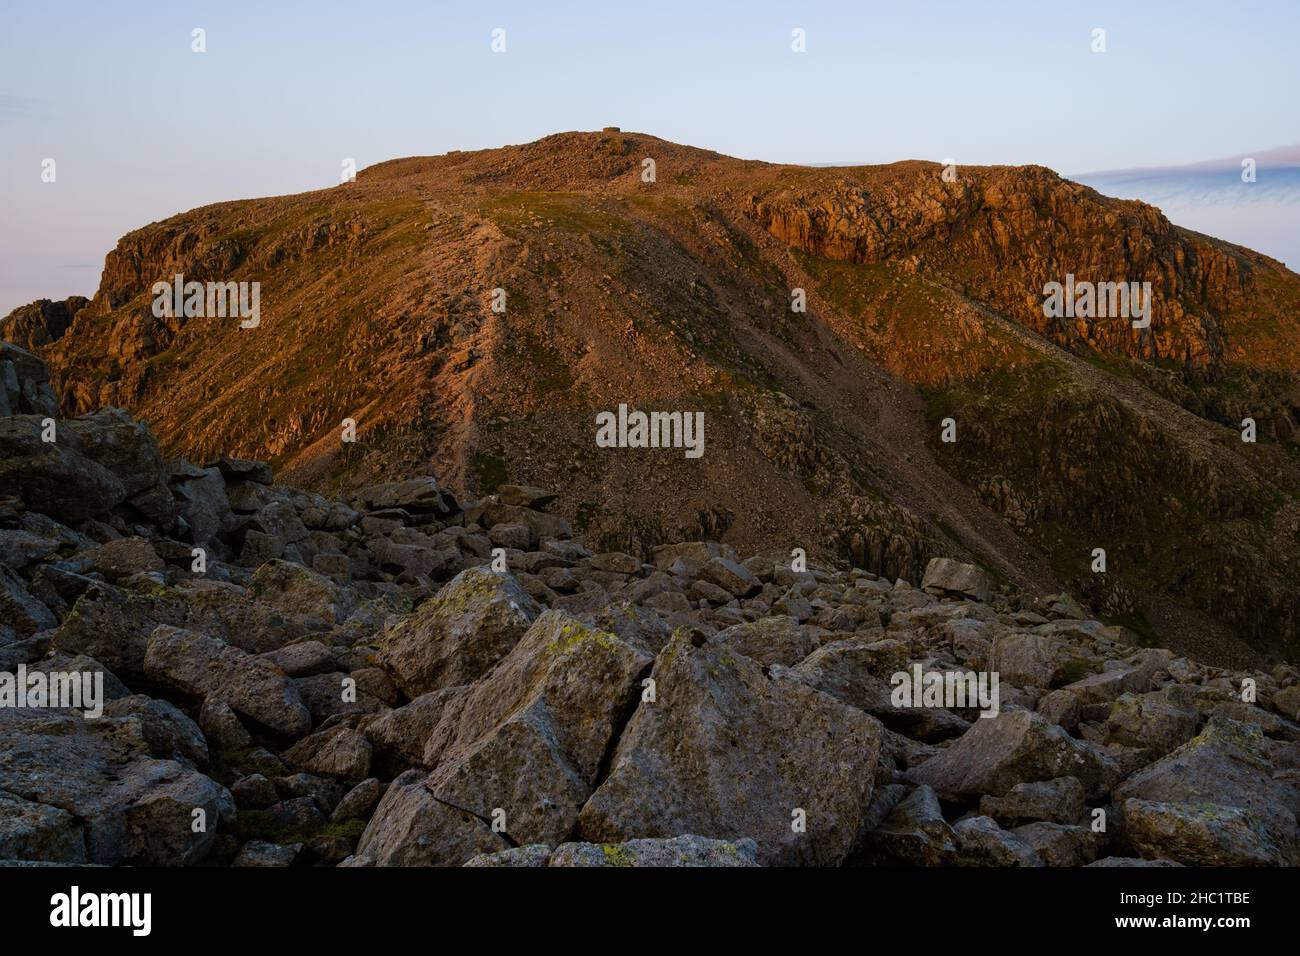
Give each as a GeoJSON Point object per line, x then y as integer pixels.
{"type": "Point", "coordinates": [822, 428]}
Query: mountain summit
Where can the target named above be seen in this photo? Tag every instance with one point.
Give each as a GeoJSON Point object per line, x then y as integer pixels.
{"type": "Point", "coordinates": [835, 326]}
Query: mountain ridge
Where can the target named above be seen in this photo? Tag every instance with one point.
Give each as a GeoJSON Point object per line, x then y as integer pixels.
{"type": "Point", "coordinates": [923, 303]}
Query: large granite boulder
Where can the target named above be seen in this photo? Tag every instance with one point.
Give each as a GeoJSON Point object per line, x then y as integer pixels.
{"type": "Point", "coordinates": [460, 633]}
{"type": "Point", "coordinates": [528, 740]}
{"type": "Point", "coordinates": [729, 749]}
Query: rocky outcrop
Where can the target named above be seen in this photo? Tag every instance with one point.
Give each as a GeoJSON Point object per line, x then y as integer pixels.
{"type": "Point", "coordinates": [1031, 222]}
{"type": "Point", "coordinates": [40, 323]}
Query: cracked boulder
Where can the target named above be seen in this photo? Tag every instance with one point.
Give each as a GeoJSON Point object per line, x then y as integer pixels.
{"type": "Point", "coordinates": [736, 579]}
{"type": "Point", "coordinates": [944, 576]}
{"type": "Point", "coordinates": [730, 749]}
{"type": "Point", "coordinates": [411, 827]}
{"type": "Point", "coordinates": [914, 834]}
{"type": "Point", "coordinates": [528, 741]}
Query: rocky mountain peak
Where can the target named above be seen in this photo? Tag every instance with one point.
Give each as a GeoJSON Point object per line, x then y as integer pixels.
{"type": "Point", "coordinates": [473, 313]}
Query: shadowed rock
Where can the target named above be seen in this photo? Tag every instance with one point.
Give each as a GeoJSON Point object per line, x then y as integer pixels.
{"type": "Point", "coordinates": [1014, 747]}
{"type": "Point", "coordinates": [1225, 766]}
{"type": "Point", "coordinates": [411, 827]}
{"type": "Point", "coordinates": [199, 665]}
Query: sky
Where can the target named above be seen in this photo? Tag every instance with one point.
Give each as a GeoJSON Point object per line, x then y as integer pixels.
{"type": "Point", "coordinates": [141, 127]}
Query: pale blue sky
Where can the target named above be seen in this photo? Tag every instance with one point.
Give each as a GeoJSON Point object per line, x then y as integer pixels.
{"type": "Point", "coordinates": [142, 128]}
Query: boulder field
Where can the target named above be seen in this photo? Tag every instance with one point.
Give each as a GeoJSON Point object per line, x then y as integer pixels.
{"type": "Point", "coordinates": [404, 679]}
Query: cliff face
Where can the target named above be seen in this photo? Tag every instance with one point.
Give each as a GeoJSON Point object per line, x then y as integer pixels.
{"type": "Point", "coordinates": [924, 303]}
{"type": "Point", "coordinates": [42, 322]}
{"type": "Point", "coordinates": [999, 235]}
